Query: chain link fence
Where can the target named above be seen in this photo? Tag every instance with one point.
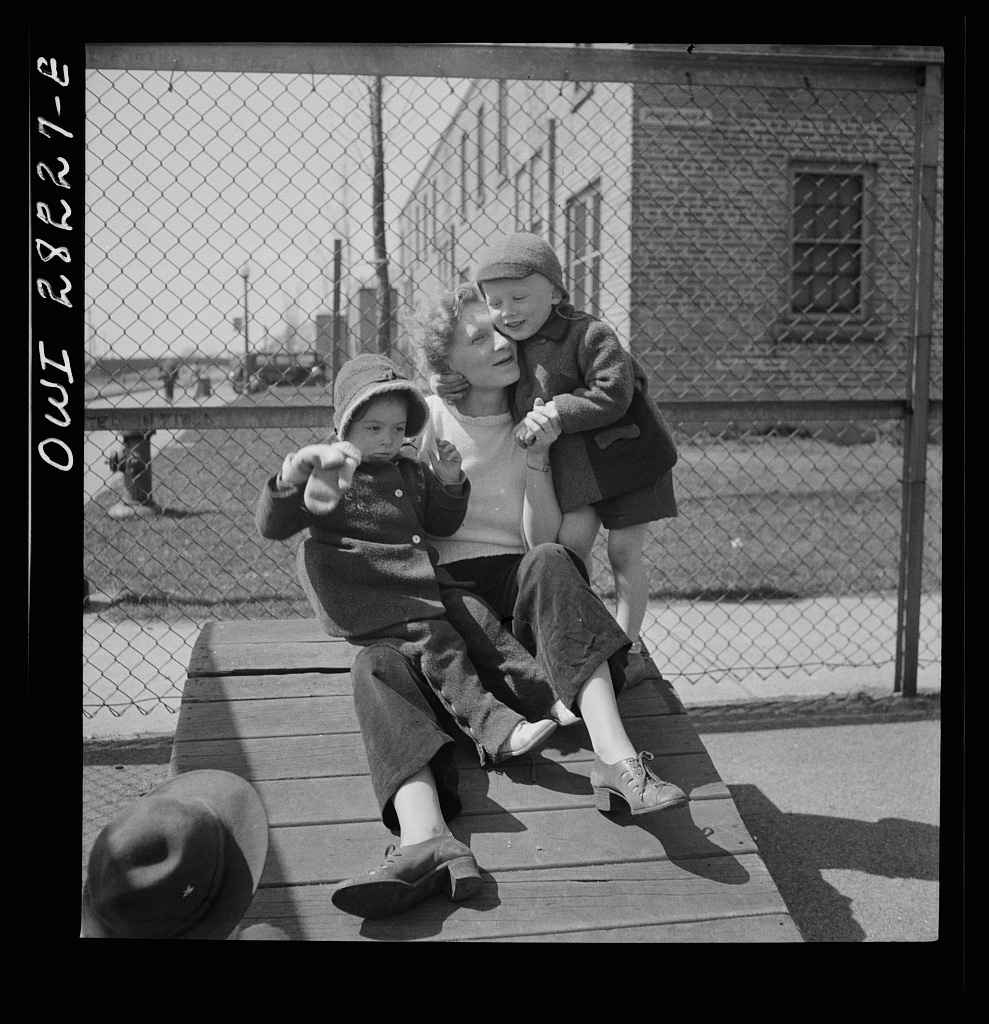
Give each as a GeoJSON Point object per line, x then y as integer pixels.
{"type": "Point", "coordinates": [748, 222]}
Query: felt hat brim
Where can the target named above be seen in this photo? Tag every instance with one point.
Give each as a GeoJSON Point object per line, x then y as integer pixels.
{"type": "Point", "coordinates": [418, 410]}
{"type": "Point", "coordinates": [238, 808]}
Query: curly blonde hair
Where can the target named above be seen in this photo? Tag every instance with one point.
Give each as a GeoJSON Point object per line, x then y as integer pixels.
{"type": "Point", "coordinates": [432, 323]}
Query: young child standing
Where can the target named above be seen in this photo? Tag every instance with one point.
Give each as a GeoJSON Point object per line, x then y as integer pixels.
{"type": "Point", "coordinates": [611, 465]}
{"type": "Point", "coordinates": [366, 567]}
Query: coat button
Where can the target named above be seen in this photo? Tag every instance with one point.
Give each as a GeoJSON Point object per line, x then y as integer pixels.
{"type": "Point", "coordinates": [398, 493]}
{"type": "Point", "coordinates": [416, 538]}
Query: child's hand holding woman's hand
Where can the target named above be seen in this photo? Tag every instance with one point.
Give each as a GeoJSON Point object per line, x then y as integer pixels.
{"type": "Point", "coordinates": [540, 428]}
{"type": "Point", "coordinates": [327, 470]}
{"type": "Point", "coordinates": [446, 462]}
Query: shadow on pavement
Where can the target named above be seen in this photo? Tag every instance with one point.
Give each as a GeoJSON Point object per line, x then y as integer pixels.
{"type": "Point", "coordinates": [796, 848]}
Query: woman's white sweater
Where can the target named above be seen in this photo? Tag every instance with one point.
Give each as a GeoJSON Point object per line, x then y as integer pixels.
{"type": "Point", "coordinates": [495, 466]}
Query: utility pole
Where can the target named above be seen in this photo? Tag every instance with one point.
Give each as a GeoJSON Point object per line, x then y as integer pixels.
{"type": "Point", "coordinates": [245, 273]}
{"type": "Point", "coordinates": [380, 261]}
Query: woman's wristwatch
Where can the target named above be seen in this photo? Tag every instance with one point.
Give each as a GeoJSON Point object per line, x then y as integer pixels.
{"type": "Point", "coordinates": [545, 468]}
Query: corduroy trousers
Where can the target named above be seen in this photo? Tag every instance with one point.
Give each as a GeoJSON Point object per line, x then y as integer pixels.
{"type": "Point", "coordinates": [553, 612]}
{"type": "Point", "coordinates": [436, 651]}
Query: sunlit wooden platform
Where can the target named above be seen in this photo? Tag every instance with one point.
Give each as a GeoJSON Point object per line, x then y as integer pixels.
{"type": "Point", "coordinates": [271, 701]}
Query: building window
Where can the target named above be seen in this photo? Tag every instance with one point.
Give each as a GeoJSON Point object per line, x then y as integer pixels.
{"type": "Point", "coordinates": [502, 128]}
{"type": "Point", "coordinates": [828, 220]}
{"type": "Point", "coordinates": [480, 156]}
{"type": "Point", "coordinates": [434, 216]}
{"type": "Point", "coordinates": [583, 249]}
{"type": "Point", "coordinates": [535, 217]}
{"type": "Point", "coordinates": [517, 192]}
{"type": "Point", "coordinates": [452, 255]}
{"type": "Point", "coordinates": [463, 176]}
{"type": "Point", "coordinates": [528, 215]}
{"type": "Point", "coordinates": [551, 185]}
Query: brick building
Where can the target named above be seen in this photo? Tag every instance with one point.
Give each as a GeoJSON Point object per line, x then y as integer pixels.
{"type": "Point", "coordinates": [744, 222]}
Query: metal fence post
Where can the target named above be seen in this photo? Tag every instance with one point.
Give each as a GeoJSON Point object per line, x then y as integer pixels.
{"type": "Point", "coordinates": [916, 421]}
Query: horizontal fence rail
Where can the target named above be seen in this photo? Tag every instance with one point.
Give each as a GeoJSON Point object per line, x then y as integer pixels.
{"type": "Point", "coordinates": [316, 416]}
{"type": "Point", "coordinates": [445, 60]}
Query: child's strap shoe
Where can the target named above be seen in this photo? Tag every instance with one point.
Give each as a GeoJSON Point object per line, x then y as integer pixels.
{"type": "Point", "coordinates": [523, 738]}
{"type": "Point", "coordinates": [561, 714]}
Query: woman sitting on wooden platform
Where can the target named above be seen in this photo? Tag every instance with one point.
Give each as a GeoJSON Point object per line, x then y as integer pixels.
{"type": "Point", "coordinates": [506, 565]}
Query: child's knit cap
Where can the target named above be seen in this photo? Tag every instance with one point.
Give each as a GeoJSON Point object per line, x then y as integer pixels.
{"type": "Point", "coordinates": [367, 376]}
{"type": "Point", "coordinates": [518, 256]}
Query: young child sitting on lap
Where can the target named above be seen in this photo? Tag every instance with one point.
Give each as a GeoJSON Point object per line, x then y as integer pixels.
{"type": "Point", "coordinates": [366, 566]}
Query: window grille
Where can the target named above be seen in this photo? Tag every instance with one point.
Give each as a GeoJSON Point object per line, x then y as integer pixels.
{"type": "Point", "coordinates": [528, 213]}
{"type": "Point", "coordinates": [827, 243]}
{"type": "Point", "coordinates": [502, 128]}
{"type": "Point", "coordinates": [584, 249]}
{"type": "Point", "coordinates": [463, 176]}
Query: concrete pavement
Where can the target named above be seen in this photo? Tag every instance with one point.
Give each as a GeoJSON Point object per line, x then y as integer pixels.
{"type": "Point", "coordinates": [779, 649]}
{"type": "Point", "coordinates": [846, 813]}
{"type": "Point", "coordinates": [133, 675]}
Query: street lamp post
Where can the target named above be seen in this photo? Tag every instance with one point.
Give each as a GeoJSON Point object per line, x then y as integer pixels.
{"type": "Point", "coordinates": [245, 273]}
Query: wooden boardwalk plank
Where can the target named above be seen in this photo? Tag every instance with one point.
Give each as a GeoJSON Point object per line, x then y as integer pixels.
{"type": "Point", "coordinates": [322, 801]}
{"type": "Point", "coordinates": [272, 702]}
{"type": "Point", "coordinates": [764, 928]}
{"type": "Point", "coordinates": [271, 716]}
{"type": "Point", "coordinates": [273, 658]}
{"type": "Point", "coordinates": [293, 645]}
{"type": "Point", "coordinates": [517, 841]}
{"type": "Point", "coordinates": [647, 901]}
{"type": "Point", "coordinates": [236, 632]}
{"type": "Point", "coordinates": [313, 756]}
{"type": "Point", "coordinates": [236, 689]}
{"type": "Point", "coordinates": [304, 703]}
